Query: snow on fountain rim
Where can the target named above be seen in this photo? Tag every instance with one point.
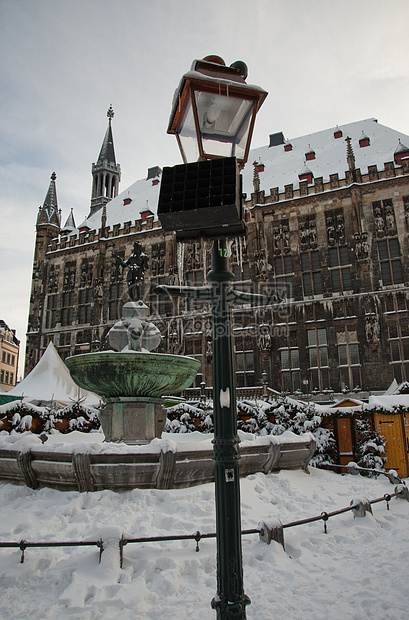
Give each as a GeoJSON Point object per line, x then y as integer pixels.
{"type": "Point", "coordinates": [93, 442]}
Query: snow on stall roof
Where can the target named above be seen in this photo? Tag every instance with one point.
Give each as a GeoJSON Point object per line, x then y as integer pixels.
{"type": "Point", "coordinates": [50, 380]}
{"type": "Point", "coordinates": [390, 401]}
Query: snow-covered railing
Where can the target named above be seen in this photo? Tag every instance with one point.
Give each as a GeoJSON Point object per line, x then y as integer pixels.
{"type": "Point", "coordinates": [274, 530]}
{"type": "Point", "coordinates": [355, 469]}
{"type": "Point", "coordinates": [271, 529]}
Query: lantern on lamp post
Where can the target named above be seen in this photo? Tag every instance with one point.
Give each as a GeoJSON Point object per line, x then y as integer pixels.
{"type": "Point", "coordinates": [213, 116]}
{"type": "Point", "coordinates": [214, 111]}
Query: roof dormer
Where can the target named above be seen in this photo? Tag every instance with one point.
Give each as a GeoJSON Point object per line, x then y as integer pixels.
{"type": "Point", "coordinates": [364, 141]}
{"type": "Point", "coordinates": [306, 175]}
{"type": "Point", "coordinates": [402, 152]}
{"type": "Point", "coordinates": [310, 154]}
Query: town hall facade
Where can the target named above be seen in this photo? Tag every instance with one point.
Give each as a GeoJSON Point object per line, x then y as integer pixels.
{"type": "Point", "coordinates": [327, 223]}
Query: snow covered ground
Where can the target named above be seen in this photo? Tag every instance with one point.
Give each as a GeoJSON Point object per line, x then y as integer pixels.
{"type": "Point", "coordinates": [357, 570]}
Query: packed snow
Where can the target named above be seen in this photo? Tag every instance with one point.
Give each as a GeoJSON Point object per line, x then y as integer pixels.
{"type": "Point", "coordinates": [357, 570]}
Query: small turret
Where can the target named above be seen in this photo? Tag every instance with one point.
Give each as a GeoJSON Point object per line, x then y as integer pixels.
{"type": "Point", "coordinates": [69, 225]}
{"type": "Point", "coordinates": [48, 221]}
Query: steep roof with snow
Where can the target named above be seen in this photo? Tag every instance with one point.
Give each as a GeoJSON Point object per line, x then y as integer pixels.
{"type": "Point", "coordinates": [128, 205]}
{"type": "Point", "coordinates": [281, 167]}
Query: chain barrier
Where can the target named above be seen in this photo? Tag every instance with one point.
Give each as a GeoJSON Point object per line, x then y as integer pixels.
{"type": "Point", "coordinates": [267, 530]}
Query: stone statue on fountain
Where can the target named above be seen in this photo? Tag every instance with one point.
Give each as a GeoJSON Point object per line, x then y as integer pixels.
{"type": "Point", "coordinates": [136, 265]}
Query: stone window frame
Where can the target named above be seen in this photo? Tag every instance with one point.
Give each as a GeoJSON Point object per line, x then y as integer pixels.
{"type": "Point", "coordinates": [349, 370]}
{"type": "Point", "coordinates": [311, 277]}
{"type": "Point", "coordinates": [244, 357]}
{"type": "Point", "coordinates": [291, 370]}
{"type": "Point", "coordinates": [390, 263]}
{"type": "Point", "coordinates": [317, 346]}
{"type": "Point", "coordinates": [398, 339]}
{"type": "Point", "coordinates": [339, 266]}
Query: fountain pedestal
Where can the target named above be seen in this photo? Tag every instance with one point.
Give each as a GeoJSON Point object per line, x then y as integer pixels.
{"type": "Point", "coordinates": [133, 420]}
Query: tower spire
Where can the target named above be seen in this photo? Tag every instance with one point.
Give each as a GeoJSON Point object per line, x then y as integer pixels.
{"type": "Point", "coordinates": [106, 173]}
{"type": "Point", "coordinates": [48, 213]}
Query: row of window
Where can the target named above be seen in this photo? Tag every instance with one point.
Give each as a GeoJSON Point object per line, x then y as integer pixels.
{"type": "Point", "coordinates": [348, 363]}
{"type": "Point", "coordinates": [317, 345]}
{"type": "Point", "coordinates": [6, 377]}
{"type": "Point", "coordinates": [8, 358]}
{"type": "Point", "coordinates": [67, 312]}
{"type": "Point", "coordinates": [339, 266]}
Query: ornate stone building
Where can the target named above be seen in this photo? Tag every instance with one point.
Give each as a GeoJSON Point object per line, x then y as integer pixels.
{"type": "Point", "coordinates": [327, 223]}
{"type": "Point", "coordinates": [9, 352]}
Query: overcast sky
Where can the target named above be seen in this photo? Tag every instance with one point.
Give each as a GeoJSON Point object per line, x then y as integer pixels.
{"type": "Point", "coordinates": [63, 63]}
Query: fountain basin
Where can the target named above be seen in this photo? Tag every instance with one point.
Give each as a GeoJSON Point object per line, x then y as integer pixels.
{"type": "Point", "coordinates": [132, 374]}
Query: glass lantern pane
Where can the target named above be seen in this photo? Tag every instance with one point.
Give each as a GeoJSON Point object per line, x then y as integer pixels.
{"type": "Point", "coordinates": [187, 134]}
{"type": "Point", "coordinates": [224, 124]}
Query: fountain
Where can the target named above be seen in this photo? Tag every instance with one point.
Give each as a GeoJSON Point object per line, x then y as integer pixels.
{"type": "Point", "coordinates": [133, 380]}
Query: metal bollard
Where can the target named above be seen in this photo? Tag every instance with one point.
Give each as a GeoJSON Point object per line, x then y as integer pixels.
{"type": "Point", "coordinates": [271, 530]}
{"type": "Point", "coordinates": [360, 506]}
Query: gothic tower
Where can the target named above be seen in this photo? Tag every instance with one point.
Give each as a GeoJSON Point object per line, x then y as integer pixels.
{"type": "Point", "coordinates": [47, 228]}
{"type": "Point", "coordinates": [106, 173]}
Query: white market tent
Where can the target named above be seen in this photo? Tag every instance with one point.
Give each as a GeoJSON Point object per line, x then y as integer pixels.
{"type": "Point", "coordinates": [50, 381]}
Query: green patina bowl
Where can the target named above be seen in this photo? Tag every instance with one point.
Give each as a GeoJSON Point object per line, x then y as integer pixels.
{"type": "Point", "coordinates": [136, 374]}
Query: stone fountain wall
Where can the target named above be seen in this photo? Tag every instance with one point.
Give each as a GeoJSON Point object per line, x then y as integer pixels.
{"type": "Point", "coordinates": [83, 471]}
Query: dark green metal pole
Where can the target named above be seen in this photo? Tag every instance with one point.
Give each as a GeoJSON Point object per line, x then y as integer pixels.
{"type": "Point", "coordinates": [230, 601]}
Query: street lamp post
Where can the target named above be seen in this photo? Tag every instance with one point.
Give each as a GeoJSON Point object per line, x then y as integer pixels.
{"type": "Point", "coordinates": [213, 116]}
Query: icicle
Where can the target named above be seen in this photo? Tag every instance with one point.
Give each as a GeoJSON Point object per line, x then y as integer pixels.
{"type": "Point", "coordinates": [180, 260]}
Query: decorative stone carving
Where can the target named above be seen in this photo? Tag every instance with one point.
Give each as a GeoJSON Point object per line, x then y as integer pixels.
{"type": "Point", "coordinates": [86, 275]}
{"type": "Point", "coordinates": [158, 259]}
{"type": "Point", "coordinates": [134, 332]}
{"type": "Point", "coordinates": [69, 277]}
{"type": "Point", "coordinates": [175, 339]}
{"type": "Point", "coordinates": [261, 263]}
{"type": "Point", "coordinates": [361, 246]}
{"type": "Point", "coordinates": [173, 278]}
{"type": "Point", "coordinates": [52, 284]}
{"type": "Point", "coordinates": [308, 233]}
{"type": "Point", "coordinates": [264, 340]}
{"type": "Point", "coordinates": [385, 224]}
{"type": "Point", "coordinates": [335, 224]}
{"type": "Point", "coordinates": [98, 290]}
{"type": "Point", "coordinates": [193, 256]}
{"type": "Point", "coordinates": [281, 237]}
{"type": "Point", "coordinates": [372, 329]}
